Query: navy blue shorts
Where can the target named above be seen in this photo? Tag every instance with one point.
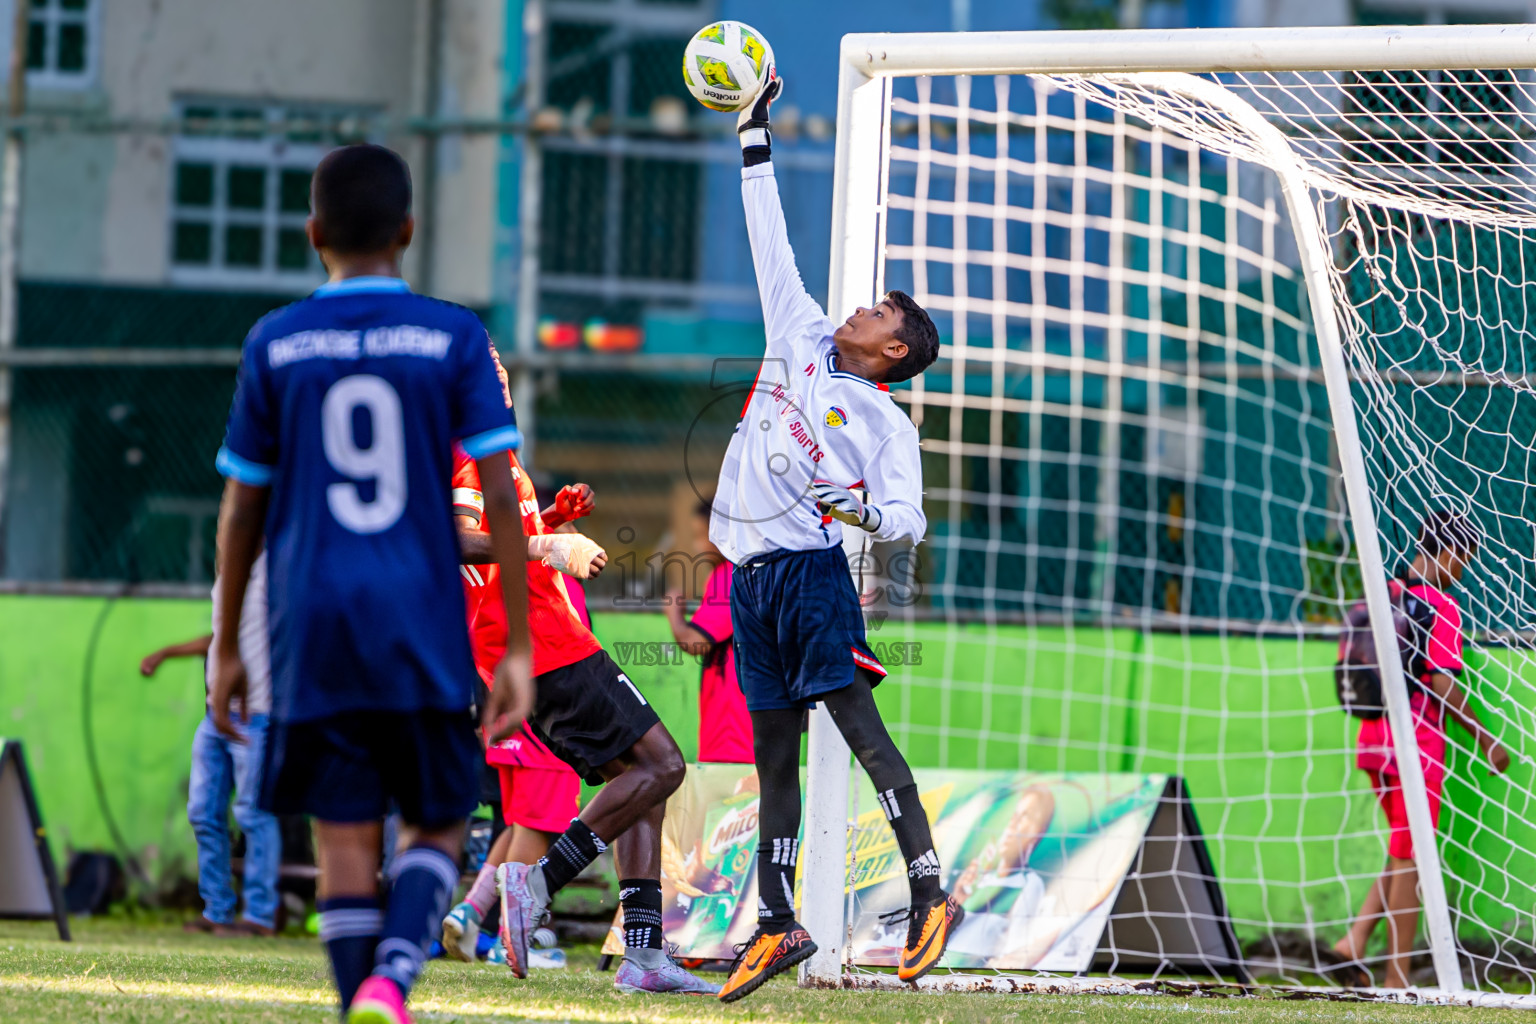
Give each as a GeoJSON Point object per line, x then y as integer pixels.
{"type": "Point", "coordinates": [799, 632]}
{"type": "Point", "coordinates": [350, 767]}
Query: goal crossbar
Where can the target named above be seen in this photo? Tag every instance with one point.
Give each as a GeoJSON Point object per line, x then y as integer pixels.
{"type": "Point", "coordinates": [1373, 48]}
{"type": "Point", "coordinates": [1173, 58]}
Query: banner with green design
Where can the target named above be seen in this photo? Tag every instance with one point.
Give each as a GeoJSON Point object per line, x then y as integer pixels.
{"type": "Point", "coordinates": [1035, 858]}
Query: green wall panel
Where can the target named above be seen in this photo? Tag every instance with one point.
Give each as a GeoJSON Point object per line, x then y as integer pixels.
{"type": "Point", "coordinates": [1251, 723]}
{"type": "Point", "coordinates": [142, 728]}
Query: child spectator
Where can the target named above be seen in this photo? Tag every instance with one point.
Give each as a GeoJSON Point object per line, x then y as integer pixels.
{"type": "Point", "coordinates": [222, 766]}
{"type": "Point", "coordinates": [1447, 544]}
{"type": "Point", "coordinates": [725, 728]}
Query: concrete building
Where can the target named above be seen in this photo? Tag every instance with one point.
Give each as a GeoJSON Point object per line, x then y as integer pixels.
{"type": "Point", "coordinates": [218, 209]}
{"type": "Point", "coordinates": [139, 235]}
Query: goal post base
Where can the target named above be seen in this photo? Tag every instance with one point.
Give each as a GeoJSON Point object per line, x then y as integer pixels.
{"type": "Point", "coordinates": [1018, 984]}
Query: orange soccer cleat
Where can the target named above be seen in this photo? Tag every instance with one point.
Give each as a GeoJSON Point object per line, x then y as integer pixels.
{"type": "Point", "coordinates": [928, 935]}
{"type": "Point", "coordinates": [763, 956]}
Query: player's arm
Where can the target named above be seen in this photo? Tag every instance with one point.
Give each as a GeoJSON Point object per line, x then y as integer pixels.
{"type": "Point", "coordinates": [511, 698]}
{"type": "Point", "coordinates": [468, 513]}
{"type": "Point", "coordinates": [570, 553]}
{"type": "Point", "coordinates": [1455, 700]}
{"type": "Point", "coordinates": [474, 545]}
{"type": "Point", "coordinates": [789, 312]}
{"type": "Point", "coordinates": [688, 637]}
{"type": "Point", "coordinates": [573, 554]}
{"type": "Point", "coordinates": [247, 461]}
{"type": "Point", "coordinates": [186, 649]}
{"type": "Point", "coordinates": [242, 518]}
{"type": "Point", "coordinates": [893, 476]}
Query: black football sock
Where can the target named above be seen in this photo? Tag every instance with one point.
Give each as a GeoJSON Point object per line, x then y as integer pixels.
{"type": "Point", "coordinates": [909, 820]}
{"type": "Point", "coordinates": [641, 899]}
{"type": "Point", "coordinates": [858, 719]}
{"type": "Point", "coordinates": [569, 855]}
{"type": "Point", "coordinates": [776, 745]}
{"type": "Point", "coordinates": [350, 928]}
{"type": "Point", "coordinates": [777, 858]}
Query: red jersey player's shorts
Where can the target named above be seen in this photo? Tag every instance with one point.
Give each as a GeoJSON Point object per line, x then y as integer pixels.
{"type": "Point", "coordinates": [1374, 753]}
{"type": "Point", "coordinates": [725, 727]}
{"type": "Point", "coordinates": [538, 790]}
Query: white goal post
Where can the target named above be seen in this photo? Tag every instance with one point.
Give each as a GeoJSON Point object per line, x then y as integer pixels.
{"type": "Point", "coordinates": [1181, 81]}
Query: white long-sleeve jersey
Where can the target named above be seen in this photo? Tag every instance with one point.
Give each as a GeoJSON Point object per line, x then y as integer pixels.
{"type": "Point", "coordinates": [805, 421]}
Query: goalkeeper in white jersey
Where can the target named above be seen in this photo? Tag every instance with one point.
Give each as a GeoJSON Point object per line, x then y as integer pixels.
{"type": "Point", "coordinates": [819, 428]}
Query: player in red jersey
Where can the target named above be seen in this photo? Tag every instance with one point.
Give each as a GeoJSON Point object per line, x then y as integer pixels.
{"type": "Point", "coordinates": [540, 794]}
{"type": "Point", "coordinates": [591, 717]}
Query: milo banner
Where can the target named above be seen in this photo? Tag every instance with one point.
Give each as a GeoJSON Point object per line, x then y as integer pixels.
{"type": "Point", "coordinates": [1039, 860]}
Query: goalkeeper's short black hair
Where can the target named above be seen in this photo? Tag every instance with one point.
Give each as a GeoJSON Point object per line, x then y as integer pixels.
{"type": "Point", "coordinates": [918, 332]}
{"type": "Point", "coordinates": [1445, 530]}
{"type": "Point", "coordinates": [362, 198]}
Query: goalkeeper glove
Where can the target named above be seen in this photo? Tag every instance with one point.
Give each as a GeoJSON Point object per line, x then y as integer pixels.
{"type": "Point", "coordinates": [843, 505]}
{"type": "Point", "coordinates": [752, 124]}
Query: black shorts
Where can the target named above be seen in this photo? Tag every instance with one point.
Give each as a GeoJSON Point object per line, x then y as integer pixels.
{"type": "Point", "coordinates": [588, 713]}
{"type": "Point", "coordinates": [349, 767]}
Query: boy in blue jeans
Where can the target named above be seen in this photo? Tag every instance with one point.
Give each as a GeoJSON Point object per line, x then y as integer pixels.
{"type": "Point", "coordinates": [223, 766]}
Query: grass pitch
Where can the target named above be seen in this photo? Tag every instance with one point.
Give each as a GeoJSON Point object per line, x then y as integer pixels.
{"type": "Point", "coordinates": [139, 973]}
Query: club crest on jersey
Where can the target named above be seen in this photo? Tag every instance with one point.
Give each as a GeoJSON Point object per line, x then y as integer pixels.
{"type": "Point", "coordinates": [835, 417]}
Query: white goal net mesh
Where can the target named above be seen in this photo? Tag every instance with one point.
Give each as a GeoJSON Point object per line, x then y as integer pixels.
{"type": "Point", "coordinates": [1139, 552]}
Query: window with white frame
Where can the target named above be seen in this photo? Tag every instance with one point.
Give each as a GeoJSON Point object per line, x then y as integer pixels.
{"type": "Point", "coordinates": [62, 43]}
{"type": "Point", "coordinates": [240, 193]}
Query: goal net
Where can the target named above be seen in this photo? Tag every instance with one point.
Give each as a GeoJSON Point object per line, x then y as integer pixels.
{"type": "Point", "coordinates": [1215, 344]}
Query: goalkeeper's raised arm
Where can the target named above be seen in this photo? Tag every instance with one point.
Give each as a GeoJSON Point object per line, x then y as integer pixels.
{"type": "Point", "coordinates": [790, 316]}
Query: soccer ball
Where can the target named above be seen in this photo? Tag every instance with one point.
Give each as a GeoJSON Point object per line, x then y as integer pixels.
{"type": "Point", "coordinates": [726, 64]}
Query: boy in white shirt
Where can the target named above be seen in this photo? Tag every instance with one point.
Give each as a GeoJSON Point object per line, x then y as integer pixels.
{"type": "Point", "coordinates": [819, 425]}
{"type": "Point", "coordinates": [221, 766]}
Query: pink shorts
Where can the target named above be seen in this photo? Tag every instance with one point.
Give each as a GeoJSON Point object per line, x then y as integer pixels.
{"type": "Point", "coordinates": [1389, 793]}
{"type": "Point", "coordinates": [544, 799]}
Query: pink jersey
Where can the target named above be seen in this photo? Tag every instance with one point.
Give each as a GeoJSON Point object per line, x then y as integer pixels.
{"type": "Point", "coordinates": [1444, 654]}
{"type": "Point", "coordinates": [578, 598]}
{"type": "Point", "coordinates": [725, 727]}
{"type": "Point", "coordinates": [1373, 751]}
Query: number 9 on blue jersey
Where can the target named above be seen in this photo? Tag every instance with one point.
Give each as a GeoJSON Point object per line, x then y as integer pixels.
{"type": "Point", "coordinates": [383, 461]}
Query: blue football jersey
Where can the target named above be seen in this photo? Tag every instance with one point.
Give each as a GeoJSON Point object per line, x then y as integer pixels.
{"type": "Point", "coordinates": [348, 406]}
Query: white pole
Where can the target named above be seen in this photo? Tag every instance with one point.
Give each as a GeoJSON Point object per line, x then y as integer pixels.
{"type": "Point", "coordinates": [530, 197]}
{"type": "Point", "coordinates": [855, 219]}
{"type": "Point", "coordinates": [10, 242]}
{"type": "Point", "coordinates": [1315, 267]}
{"type": "Point", "coordinates": [1329, 48]}
{"type": "Point", "coordinates": [1362, 514]}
